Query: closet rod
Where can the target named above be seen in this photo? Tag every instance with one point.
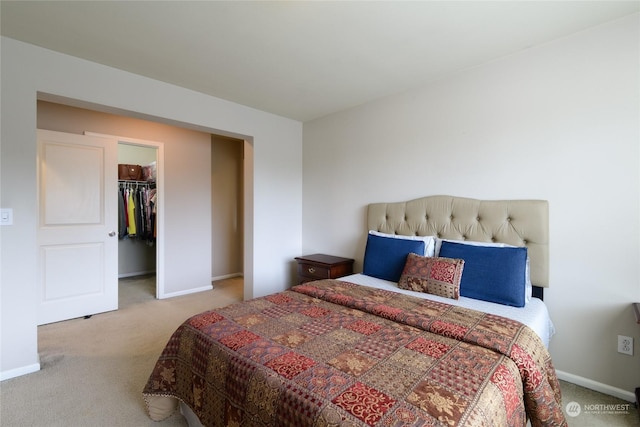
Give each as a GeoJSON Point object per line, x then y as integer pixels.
{"type": "Point", "coordinates": [123, 183]}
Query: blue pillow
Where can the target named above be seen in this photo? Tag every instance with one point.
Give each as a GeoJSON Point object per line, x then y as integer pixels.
{"type": "Point", "coordinates": [495, 274]}
{"type": "Point", "coordinates": [385, 257]}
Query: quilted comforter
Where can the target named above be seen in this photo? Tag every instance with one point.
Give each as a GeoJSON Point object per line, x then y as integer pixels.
{"type": "Point", "coordinates": [333, 353]}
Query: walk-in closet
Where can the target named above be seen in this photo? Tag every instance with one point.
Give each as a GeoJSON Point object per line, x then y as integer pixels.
{"type": "Point", "coordinates": [137, 216]}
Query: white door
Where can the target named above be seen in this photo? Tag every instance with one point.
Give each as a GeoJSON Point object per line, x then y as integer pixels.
{"type": "Point", "coordinates": [77, 225]}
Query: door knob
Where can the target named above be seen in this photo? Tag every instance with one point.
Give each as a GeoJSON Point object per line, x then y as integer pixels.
{"type": "Point", "coordinates": [112, 233]}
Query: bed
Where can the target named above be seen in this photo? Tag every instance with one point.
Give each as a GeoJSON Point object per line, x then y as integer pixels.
{"type": "Point", "coordinates": [411, 341]}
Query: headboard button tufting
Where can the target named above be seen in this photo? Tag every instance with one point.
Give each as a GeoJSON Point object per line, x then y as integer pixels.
{"type": "Point", "coordinates": [481, 220]}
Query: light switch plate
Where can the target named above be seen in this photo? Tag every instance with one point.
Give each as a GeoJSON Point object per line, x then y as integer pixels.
{"type": "Point", "coordinates": [6, 216]}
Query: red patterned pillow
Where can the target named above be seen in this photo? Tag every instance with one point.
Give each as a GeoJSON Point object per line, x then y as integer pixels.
{"type": "Point", "coordinates": [433, 275]}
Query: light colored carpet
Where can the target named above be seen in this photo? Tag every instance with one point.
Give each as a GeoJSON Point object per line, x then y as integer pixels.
{"type": "Point", "coordinates": [598, 409]}
{"type": "Point", "coordinates": [94, 370]}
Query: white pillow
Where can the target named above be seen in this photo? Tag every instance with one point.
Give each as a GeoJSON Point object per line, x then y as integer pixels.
{"type": "Point", "coordinates": [429, 241]}
{"type": "Point", "coordinates": [528, 286]}
{"type": "Point", "coordinates": [470, 242]}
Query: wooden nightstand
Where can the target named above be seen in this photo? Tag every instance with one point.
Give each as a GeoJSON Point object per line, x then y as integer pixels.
{"type": "Point", "coordinates": [321, 266]}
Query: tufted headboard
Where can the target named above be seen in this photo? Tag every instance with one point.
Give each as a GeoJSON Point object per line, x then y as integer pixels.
{"type": "Point", "coordinates": [515, 222]}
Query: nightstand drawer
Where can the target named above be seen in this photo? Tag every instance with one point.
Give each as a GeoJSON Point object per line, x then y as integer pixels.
{"type": "Point", "coordinates": [313, 271]}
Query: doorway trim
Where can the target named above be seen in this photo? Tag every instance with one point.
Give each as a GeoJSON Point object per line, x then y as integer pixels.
{"type": "Point", "coordinates": [159, 146]}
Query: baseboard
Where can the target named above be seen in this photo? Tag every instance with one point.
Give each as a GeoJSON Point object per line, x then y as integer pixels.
{"type": "Point", "coordinates": [186, 292]}
{"type": "Point", "coordinates": [629, 396]}
{"type": "Point", "coordinates": [226, 276]}
{"type": "Point", "coordinates": [12, 373]}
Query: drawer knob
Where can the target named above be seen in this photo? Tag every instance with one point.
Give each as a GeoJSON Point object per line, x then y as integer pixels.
{"type": "Point", "coordinates": [311, 270]}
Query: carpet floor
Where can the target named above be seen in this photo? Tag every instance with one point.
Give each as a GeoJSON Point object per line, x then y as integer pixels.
{"type": "Point", "coordinates": [93, 370]}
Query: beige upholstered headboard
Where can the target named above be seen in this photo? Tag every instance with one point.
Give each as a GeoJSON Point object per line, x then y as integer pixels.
{"type": "Point", "coordinates": [515, 222]}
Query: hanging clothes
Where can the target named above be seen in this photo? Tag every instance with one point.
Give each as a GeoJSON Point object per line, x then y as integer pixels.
{"type": "Point", "coordinates": [131, 209]}
{"type": "Point", "coordinates": [154, 221]}
{"type": "Point", "coordinates": [137, 211]}
{"type": "Point", "coordinates": [122, 214]}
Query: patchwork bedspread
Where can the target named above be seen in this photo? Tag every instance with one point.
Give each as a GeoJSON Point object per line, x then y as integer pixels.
{"type": "Point", "coordinates": [333, 353]}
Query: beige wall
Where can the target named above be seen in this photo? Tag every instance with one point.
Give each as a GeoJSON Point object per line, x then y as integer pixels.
{"type": "Point", "coordinates": [226, 181]}
{"type": "Point", "coordinates": [189, 146]}
{"type": "Point", "coordinates": [226, 186]}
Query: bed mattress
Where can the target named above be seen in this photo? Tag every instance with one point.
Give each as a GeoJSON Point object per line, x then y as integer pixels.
{"type": "Point", "coordinates": [534, 314]}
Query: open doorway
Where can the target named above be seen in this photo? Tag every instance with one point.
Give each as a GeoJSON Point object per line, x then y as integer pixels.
{"type": "Point", "coordinates": [140, 219]}
{"type": "Point", "coordinates": [137, 222]}
{"type": "Point", "coordinates": [186, 251]}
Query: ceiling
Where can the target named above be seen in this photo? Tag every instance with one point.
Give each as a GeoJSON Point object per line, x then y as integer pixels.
{"type": "Point", "coordinates": [299, 59]}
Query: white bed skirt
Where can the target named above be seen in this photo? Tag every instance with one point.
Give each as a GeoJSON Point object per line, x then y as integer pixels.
{"type": "Point", "coordinates": [192, 419]}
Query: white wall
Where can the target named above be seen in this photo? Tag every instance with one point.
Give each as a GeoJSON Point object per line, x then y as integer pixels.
{"type": "Point", "coordinates": [273, 187]}
{"type": "Point", "coordinates": [558, 122]}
